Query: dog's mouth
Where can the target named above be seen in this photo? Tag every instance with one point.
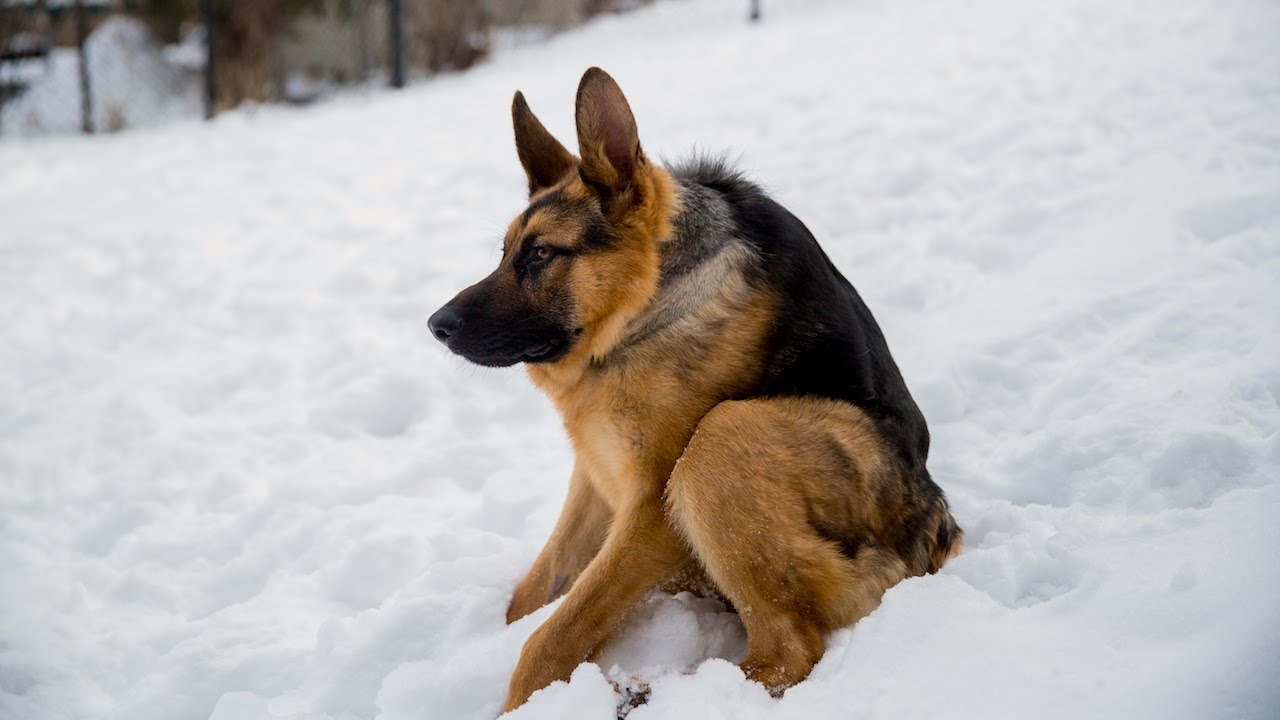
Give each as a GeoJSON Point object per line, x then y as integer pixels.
{"type": "Point", "coordinates": [498, 339]}
{"type": "Point", "coordinates": [545, 352]}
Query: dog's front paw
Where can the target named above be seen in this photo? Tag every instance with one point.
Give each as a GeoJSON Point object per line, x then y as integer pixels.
{"type": "Point", "coordinates": [539, 666]}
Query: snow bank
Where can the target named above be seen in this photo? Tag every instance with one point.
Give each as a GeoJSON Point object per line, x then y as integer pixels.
{"type": "Point", "coordinates": [239, 480]}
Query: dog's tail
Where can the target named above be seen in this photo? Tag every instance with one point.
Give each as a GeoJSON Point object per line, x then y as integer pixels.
{"type": "Point", "coordinates": [947, 539]}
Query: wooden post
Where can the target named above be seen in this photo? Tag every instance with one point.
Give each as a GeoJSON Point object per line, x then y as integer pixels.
{"type": "Point", "coordinates": [395, 8]}
{"type": "Point", "coordinates": [360, 18]}
{"type": "Point", "coordinates": [86, 95]}
{"type": "Point", "coordinates": [210, 83]}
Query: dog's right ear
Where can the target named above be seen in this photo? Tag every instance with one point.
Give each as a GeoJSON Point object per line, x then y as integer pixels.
{"type": "Point", "coordinates": [545, 160]}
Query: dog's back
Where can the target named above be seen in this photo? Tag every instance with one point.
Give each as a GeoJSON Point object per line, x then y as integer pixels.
{"type": "Point", "coordinates": [732, 243]}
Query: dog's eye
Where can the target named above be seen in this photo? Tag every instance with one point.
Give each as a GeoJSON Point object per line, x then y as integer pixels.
{"type": "Point", "coordinates": [541, 254]}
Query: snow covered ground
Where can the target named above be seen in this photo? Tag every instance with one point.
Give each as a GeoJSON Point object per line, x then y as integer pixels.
{"type": "Point", "coordinates": [239, 480]}
{"type": "Point", "coordinates": [135, 83]}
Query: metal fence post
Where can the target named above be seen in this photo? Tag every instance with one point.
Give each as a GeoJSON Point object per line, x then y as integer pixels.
{"type": "Point", "coordinates": [86, 96]}
{"type": "Point", "coordinates": [210, 85]}
{"type": "Point", "coordinates": [395, 8]}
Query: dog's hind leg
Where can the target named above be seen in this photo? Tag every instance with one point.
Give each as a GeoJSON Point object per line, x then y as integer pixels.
{"type": "Point", "coordinates": [576, 539]}
{"type": "Point", "coordinates": [773, 495]}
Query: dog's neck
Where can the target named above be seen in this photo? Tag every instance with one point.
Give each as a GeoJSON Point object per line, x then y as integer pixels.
{"type": "Point", "coordinates": [646, 225]}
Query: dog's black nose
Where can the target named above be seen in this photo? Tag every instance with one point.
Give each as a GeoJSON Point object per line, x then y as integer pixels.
{"type": "Point", "coordinates": [445, 323]}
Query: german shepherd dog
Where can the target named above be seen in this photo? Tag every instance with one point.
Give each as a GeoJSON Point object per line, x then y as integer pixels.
{"type": "Point", "coordinates": [737, 420]}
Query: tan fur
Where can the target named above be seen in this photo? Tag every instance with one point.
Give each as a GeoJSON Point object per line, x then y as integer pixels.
{"type": "Point", "coordinates": [755, 478]}
{"type": "Point", "coordinates": [672, 485]}
{"type": "Point", "coordinates": [610, 289]}
{"type": "Point", "coordinates": [629, 421]}
{"type": "Point", "coordinates": [642, 228]}
{"type": "Point", "coordinates": [575, 540]}
{"type": "Point", "coordinates": [641, 550]}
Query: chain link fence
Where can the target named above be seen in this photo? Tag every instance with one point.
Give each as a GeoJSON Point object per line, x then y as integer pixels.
{"type": "Point", "coordinates": [100, 66]}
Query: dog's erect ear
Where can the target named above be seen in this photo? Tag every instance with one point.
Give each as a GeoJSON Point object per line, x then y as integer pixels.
{"type": "Point", "coordinates": [607, 137]}
{"type": "Point", "coordinates": [545, 160]}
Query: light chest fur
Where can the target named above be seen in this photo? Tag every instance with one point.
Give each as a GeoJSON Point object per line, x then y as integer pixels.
{"type": "Point", "coordinates": [696, 343]}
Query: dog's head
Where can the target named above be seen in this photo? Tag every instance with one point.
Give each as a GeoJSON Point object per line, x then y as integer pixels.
{"type": "Point", "coordinates": [582, 258]}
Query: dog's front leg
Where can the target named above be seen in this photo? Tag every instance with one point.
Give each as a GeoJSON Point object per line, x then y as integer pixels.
{"type": "Point", "coordinates": [641, 551]}
{"type": "Point", "coordinates": [576, 539]}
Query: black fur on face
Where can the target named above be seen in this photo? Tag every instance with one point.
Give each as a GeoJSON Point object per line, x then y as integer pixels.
{"type": "Point", "coordinates": [526, 310]}
{"type": "Point", "coordinates": [517, 314]}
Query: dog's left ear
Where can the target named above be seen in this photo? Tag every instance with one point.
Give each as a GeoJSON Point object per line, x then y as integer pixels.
{"type": "Point", "coordinates": [545, 160]}
{"type": "Point", "coordinates": [607, 139]}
